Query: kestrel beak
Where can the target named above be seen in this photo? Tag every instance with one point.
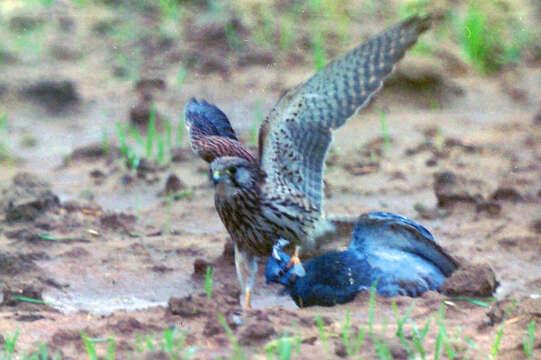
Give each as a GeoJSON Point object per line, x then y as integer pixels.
{"type": "Point", "coordinates": [216, 176]}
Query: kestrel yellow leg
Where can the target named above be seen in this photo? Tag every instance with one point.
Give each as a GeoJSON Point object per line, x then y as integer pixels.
{"type": "Point", "coordinates": [246, 266]}
{"type": "Point", "coordinates": [247, 295]}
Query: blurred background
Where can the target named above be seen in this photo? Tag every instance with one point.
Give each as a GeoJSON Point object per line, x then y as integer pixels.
{"type": "Point", "coordinates": [76, 72]}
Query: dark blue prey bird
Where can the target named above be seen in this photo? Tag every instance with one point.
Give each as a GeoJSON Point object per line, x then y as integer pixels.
{"type": "Point", "coordinates": [398, 255]}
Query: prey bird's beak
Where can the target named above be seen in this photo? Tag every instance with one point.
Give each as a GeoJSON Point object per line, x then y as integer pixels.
{"type": "Point", "coordinates": [275, 253]}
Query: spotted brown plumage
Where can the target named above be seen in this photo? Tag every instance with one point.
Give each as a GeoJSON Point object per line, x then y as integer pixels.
{"type": "Point", "coordinates": [279, 194]}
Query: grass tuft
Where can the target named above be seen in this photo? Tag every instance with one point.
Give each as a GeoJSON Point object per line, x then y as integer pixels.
{"type": "Point", "coordinates": [155, 145]}
{"type": "Point", "coordinates": [9, 344]}
{"type": "Point", "coordinates": [418, 337]}
{"type": "Point", "coordinates": [282, 348]}
{"type": "Point", "coordinates": [89, 346]}
{"type": "Point", "coordinates": [478, 41]}
{"type": "Point", "coordinates": [490, 42]}
{"type": "Point", "coordinates": [400, 321]}
{"type": "Point", "coordinates": [132, 161]}
{"type": "Point", "coordinates": [495, 345]}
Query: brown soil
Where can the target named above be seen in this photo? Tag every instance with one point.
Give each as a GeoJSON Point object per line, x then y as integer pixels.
{"type": "Point", "coordinates": [112, 256]}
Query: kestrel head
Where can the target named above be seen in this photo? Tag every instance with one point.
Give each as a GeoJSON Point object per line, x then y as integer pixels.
{"type": "Point", "coordinates": [234, 175]}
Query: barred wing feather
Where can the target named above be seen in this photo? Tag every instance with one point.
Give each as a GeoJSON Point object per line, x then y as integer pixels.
{"type": "Point", "coordinates": [295, 137]}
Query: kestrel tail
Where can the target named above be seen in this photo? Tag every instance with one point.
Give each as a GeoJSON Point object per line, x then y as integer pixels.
{"type": "Point", "coordinates": [279, 193]}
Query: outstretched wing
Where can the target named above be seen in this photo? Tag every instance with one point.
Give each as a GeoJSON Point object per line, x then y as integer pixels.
{"type": "Point", "coordinates": [389, 240]}
{"type": "Point", "coordinates": [295, 137]}
{"type": "Point", "coordinates": [211, 134]}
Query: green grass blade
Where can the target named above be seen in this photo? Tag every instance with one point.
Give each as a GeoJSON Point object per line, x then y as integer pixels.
{"type": "Point", "coordinates": [47, 237]}
{"type": "Point", "coordinates": [346, 328]}
{"type": "Point", "coordinates": [239, 354]}
{"type": "Point", "coordinates": [208, 281]}
{"type": "Point", "coordinates": [529, 340]}
{"type": "Point", "coordinates": [110, 349]}
{"type": "Point", "coordinates": [425, 329]}
{"type": "Point", "coordinates": [382, 348]}
{"type": "Point", "coordinates": [105, 141]}
{"type": "Point", "coordinates": [320, 326]}
{"type": "Point", "coordinates": [318, 51]}
{"type": "Point", "coordinates": [169, 336]}
{"type": "Point", "coordinates": [121, 135]}
{"type": "Point", "coordinates": [180, 77]}
{"type": "Point", "coordinates": [3, 120]}
{"type": "Point", "coordinates": [151, 131]}
{"type": "Point", "coordinates": [31, 300]}
{"type": "Point", "coordinates": [471, 301]}
{"type": "Point", "coordinates": [360, 340]}
{"type": "Point", "coordinates": [400, 324]}
{"type": "Point", "coordinates": [495, 346]}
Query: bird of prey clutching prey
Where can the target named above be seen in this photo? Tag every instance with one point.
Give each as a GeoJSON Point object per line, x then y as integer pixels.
{"type": "Point", "coordinates": [278, 193]}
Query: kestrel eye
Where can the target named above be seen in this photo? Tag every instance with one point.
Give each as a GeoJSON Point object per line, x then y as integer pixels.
{"type": "Point", "coordinates": [231, 171]}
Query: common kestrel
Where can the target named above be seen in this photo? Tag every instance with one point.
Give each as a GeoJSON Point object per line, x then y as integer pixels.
{"type": "Point", "coordinates": [279, 192]}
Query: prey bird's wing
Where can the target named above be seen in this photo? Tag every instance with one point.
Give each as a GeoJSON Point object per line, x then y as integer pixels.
{"type": "Point", "coordinates": [389, 240]}
{"type": "Point", "coordinates": [295, 137]}
{"type": "Point", "coordinates": [211, 134]}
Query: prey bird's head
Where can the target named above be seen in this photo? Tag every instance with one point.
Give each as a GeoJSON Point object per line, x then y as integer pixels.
{"type": "Point", "coordinates": [279, 268]}
{"type": "Point", "coordinates": [234, 175]}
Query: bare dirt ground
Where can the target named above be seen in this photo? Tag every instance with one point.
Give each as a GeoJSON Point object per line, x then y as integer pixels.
{"type": "Point", "coordinates": [112, 257]}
